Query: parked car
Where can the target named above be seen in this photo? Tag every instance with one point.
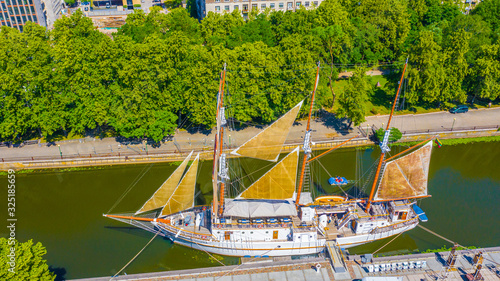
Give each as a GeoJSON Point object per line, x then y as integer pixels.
{"type": "Point", "coordinates": [459, 109]}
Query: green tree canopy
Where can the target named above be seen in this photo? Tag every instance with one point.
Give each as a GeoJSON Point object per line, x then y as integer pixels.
{"type": "Point", "coordinates": [352, 100]}
{"type": "Point", "coordinates": [29, 262]}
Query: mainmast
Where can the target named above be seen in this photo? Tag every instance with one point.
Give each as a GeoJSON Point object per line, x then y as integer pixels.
{"type": "Point", "coordinates": [307, 140]}
{"type": "Point", "coordinates": [219, 173]}
{"type": "Point", "coordinates": [384, 145]}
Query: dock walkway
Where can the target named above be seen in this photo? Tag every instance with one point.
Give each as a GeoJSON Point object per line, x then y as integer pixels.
{"type": "Point", "coordinates": [307, 269]}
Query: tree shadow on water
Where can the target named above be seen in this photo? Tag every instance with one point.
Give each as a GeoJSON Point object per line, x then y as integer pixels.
{"type": "Point", "coordinates": [60, 272]}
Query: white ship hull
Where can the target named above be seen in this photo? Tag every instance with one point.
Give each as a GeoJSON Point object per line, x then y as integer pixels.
{"type": "Point", "coordinates": [360, 239]}
{"type": "Point", "coordinates": [277, 248]}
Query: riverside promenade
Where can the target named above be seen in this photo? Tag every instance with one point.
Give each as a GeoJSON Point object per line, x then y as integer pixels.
{"type": "Point", "coordinates": [327, 132]}
{"type": "Point", "coordinates": [320, 269]}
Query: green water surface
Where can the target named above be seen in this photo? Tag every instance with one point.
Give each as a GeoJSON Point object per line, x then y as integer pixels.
{"type": "Point", "coordinates": [63, 210]}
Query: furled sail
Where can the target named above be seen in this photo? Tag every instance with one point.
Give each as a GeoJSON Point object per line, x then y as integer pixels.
{"type": "Point", "coordinates": [406, 177]}
{"type": "Point", "coordinates": [267, 144]}
{"type": "Point", "coordinates": [277, 183]}
{"type": "Point", "coordinates": [183, 196]}
{"type": "Point", "coordinates": [160, 197]}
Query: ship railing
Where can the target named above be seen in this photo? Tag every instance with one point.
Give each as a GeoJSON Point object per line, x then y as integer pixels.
{"type": "Point", "coordinates": [186, 233]}
{"type": "Point", "coordinates": [251, 225]}
{"type": "Point", "coordinates": [398, 225]}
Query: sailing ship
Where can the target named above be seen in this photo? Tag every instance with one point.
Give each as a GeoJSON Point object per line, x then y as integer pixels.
{"type": "Point", "coordinates": [274, 216]}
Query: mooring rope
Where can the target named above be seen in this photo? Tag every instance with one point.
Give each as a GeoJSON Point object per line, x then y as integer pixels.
{"type": "Point", "coordinates": [136, 255]}
{"type": "Point", "coordinates": [208, 252]}
{"type": "Point", "coordinates": [137, 179]}
{"type": "Point", "coordinates": [387, 243]}
{"type": "Point", "coordinates": [452, 242]}
{"type": "Point", "coordinates": [444, 238]}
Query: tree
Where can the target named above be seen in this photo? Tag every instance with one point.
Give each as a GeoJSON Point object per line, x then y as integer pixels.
{"type": "Point", "coordinates": [426, 73]}
{"type": "Point", "coordinates": [352, 100]}
{"type": "Point", "coordinates": [332, 43]}
{"type": "Point", "coordinates": [394, 135]}
{"type": "Point", "coordinates": [489, 11]}
{"type": "Point", "coordinates": [456, 67]}
{"type": "Point", "coordinates": [487, 69]}
{"type": "Point", "coordinates": [29, 262]}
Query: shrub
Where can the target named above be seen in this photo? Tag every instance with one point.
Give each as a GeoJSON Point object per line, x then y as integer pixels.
{"type": "Point", "coordinates": [393, 137]}
{"type": "Point", "coordinates": [137, 5]}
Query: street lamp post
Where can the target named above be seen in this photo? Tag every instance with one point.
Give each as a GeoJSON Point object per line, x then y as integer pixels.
{"type": "Point", "coordinates": [454, 119]}
{"type": "Point", "coordinates": [60, 152]}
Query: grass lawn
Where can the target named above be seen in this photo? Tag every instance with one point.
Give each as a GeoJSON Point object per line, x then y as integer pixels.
{"type": "Point", "coordinates": [381, 100]}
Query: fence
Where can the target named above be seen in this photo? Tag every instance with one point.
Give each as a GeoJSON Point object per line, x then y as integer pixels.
{"type": "Point", "coordinates": [175, 153]}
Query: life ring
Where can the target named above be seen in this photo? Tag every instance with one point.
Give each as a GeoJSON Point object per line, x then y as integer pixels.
{"type": "Point", "coordinates": [204, 237]}
{"type": "Point", "coordinates": [283, 225]}
{"type": "Point", "coordinates": [318, 266]}
{"type": "Point", "coordinates": [219, 226]}
{"type": "Point", "coordinates": [259, 226]}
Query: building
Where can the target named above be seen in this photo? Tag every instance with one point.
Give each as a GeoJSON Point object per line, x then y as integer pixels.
{"type": "Point", "coordinates": [52, 10]}
{"type": "Point", "coordinates": [15, 13]}
{"type": "Point", "coordinates": [245, 6]}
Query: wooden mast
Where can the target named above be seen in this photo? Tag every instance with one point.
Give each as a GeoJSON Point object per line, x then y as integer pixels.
{"type": "Point", "coordinates": [221, 141]}
{"type": "Point", "coordinates": [307, 154]}
{"type": "Point", "coordinates": [217, 150]}
{"type": "Point", "coordinates": [382, 156]}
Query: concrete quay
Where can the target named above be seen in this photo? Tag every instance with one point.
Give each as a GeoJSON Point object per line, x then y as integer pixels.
{"type": "Point", "coordinates": [308, 269]}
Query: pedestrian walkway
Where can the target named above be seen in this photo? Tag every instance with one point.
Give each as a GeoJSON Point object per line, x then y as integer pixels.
{"type": "Point", "coordinates": [326, 128]}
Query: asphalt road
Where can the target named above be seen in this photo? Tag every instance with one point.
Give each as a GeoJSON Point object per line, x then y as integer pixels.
{"type": "Point", "coordinates": [325, 127]}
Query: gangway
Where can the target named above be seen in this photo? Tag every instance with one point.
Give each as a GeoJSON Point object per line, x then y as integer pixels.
{"type": "Point", "coordinates": [336, 257]}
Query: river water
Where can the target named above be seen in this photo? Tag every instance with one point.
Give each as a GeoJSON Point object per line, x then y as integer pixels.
{"type": "Point", "coordinates": [63, 210]}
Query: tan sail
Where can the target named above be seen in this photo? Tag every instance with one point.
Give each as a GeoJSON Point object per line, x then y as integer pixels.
{"type": "Point", "coordinates": [160, 197]}
{"type": "Point", "coordinates": [277, 183]}
{"type": "Point", "coordinates": [407, 176]}
{"type": "Point", "coordinates": [183, 196]}
{"type": "Point", "coordinates": [267, 144]}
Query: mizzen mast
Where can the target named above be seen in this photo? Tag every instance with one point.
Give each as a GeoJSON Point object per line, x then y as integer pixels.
{"type": "Point", "coordinates": [307, 140]}
{"type": "Point", "coordinates": [219, 165]}
{"type": "Point", "coordinates": [384, 145]}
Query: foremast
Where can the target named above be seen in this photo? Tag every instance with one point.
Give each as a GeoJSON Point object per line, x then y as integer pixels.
{"type": "Point", "coordinates": [384, 144]}
{"type": "Point", "coordinates": [307, 139]}
{"type": "Point", "coordinates": [219, 173]}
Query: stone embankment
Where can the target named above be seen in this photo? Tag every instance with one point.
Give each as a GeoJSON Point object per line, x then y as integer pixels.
{"type": "Point", "coordinates": [431, 266]}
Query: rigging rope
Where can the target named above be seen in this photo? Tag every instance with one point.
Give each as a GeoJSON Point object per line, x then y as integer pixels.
{"type": "Point", "coordinates": [129, 188]}
{"type": "Point", "coordinates": [331, 176]}
{"type": "Point", "coordinates": [136, 255]}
